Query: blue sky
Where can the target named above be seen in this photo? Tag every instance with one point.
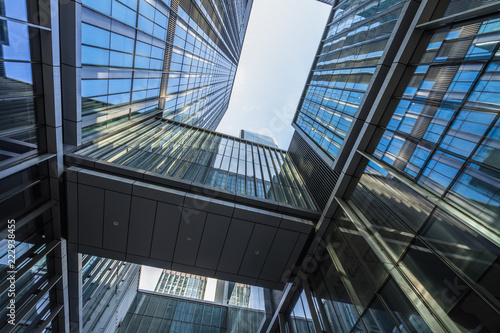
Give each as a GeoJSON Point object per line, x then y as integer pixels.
{"type": "Point", "coordinates": [280, 44]}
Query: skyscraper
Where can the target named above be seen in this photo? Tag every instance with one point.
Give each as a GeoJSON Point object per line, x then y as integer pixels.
{"type": "Point", "coordinates": [181, 284]}
{"type": "Point", "coordinates": [258, 138]}
{"type": "Point", "coordinates": [382, 216]}
{"type": "Point", "coordinates": [400, 105]}
{"type": "Point", "coordinates": [73, 72]}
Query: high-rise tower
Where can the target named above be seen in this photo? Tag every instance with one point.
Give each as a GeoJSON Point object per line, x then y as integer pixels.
{"type": "Point", "coordinates": [397, 138]}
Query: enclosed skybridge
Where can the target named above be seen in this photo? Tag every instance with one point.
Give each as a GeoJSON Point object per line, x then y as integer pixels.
{"type": "Point", "coordinates": [173, 196]}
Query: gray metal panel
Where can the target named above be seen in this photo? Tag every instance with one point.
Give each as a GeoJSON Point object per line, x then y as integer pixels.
{"type": "Point", "coordinates": [116, 211]}
{"type": "Point", "coordinates": [235, 245]}
{"type": "Point", "coordinates": [97, 179]}
{"type": "Point", "coordinates": [158, 193]}
{"type": "Point", "coordinates": [90, 213]}
{"type": "Point", "coordinates": [72, 202]}
{"type": "Point", "coordinates": [189, 237]}
{"type": "Point", "coordinates": [142, 216]}
{"type": "Point", "coordinates": [278, 255]}
{"type": "Point", "coordinates": [99, 252]}
{"type": "Point", "coordinates": [292, 261]}
{"type": "Point", "coordinates": [296, 224]}
{"type": "Point", "coordinates": [257, 250]}
{"type": "Point", "coordinates": [255, 214]}
{"type": "Point", "coordinates": [165, 231]}
{"type": "Point", "coordinates": [215, 231]}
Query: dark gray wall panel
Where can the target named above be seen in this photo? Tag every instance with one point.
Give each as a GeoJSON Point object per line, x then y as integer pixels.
{"type": "Point", "coordinates": [261, 241]}
{"type": "Point", "coordinates": [165, 231]}
{"type": "Point", "coordinates": [283, 245]}
{"type": "Point", "coordinates": [292, 261]}
{"type": "Point", "coordinates": [142, 216]}
{"type": "Point", "coordinates": [72, 204]}
{"type": "Point", "coordinates": [191, 225]}
{"type": "Point", "coordinates": [90, 213]}
{"type": "Point", "coordinates": [235, 245]}
{"type": "Point", "coordinates": [116, 209]}
{"type": "Point", "coordinates": [215, 231]}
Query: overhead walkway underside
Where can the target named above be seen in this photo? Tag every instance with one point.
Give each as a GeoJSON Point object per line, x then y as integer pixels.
{"type": "Point", "coordinates": [141, 217]}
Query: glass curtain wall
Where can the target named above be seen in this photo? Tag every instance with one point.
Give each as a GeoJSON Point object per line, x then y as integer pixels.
{"type": "Point", "coordinates": [353, 44]}
{"type": "Point", "coordinates": [416, 243]}
{"type": "Point", "coordinates": [21, 86]}
{"type": "Point", "coordinates": [207, 158]}
{"type": "Point", "coordinates": [103, 284]}
{"type": "Point", "coordinates": [182, 284]}
{"type": "Point", "coordinates": [444, 134]}
{"type": "Point", "coordinates": [143, 57]}
{"type": "Point", "coordinates": [158, 313]}
{"type": "Point", "coordinates": [29, 250]}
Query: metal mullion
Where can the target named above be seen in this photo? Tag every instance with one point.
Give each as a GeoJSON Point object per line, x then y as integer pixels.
{"type": "Point", "coordinates": [34, 301]}
{"type": "Point", "coordinates": [129, 156]}
{"type": "Point", "coordinates": [126, 142]}
{"type": "Point", "coordinates": [112, 141]}
{"type": "Point", "coordinates": [458, 110]}
{"type": "Point", "coordinates": [287, 188]}
{"type": "Point", "coordinates": [483, 293]}
{"type": "Point", "coordinates": [263, 157]}
{"type": "Point", "coordinates": [468, 220]}
{"type": "Point", "coordinates": [34, 260]}
{"type": "Point", "coordinates": [405, 283]}
{"type": "Point", "coordinates": [277, 191]}
{"type": "Point", "coordinates": [295, 176]}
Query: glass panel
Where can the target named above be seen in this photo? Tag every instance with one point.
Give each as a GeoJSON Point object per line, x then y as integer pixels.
{"type": "Point", "coordinates": [471, 253]}
{"type": "Point", "coordinates": [439, 283]}
{"type": "Point", "coordinates": [402, 311]}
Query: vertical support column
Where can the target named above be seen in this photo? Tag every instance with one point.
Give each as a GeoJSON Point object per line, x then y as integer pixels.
{"type": "Point", "coordinates": [75, 291]}
{"type": "Point", "coordinates": [281, 322]}
{"type": "Point", "coordinates": [271, 300]}
{"type": "Point", "coordinates": [62, 288]}
{"type": "Point", "coordinates": [71, 68]}
{"type": "Point", "coordinates": [312, 309]}
{"type": "Point", "coordinates": [48, 16]}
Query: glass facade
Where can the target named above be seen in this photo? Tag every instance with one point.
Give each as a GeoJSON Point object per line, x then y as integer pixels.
{"type": "Point", "coordinates": [258, 138]}
{"type": "Point", "coordinates": [353, 44]}
{"type": "Point", "coordinates": [150, 56]}
{"type": "Point", "coordinates": [21, 87]}
{"type": "Point", "coordinates": [159, 313]}
{"type": "Point", "coordinates": [30, 242]}
{"type": "Point", "coordinates": [182, 284]}
{"type": "Point", "coordinates": [413, 246]}
{"type": "Point", "coordinates": [444, 133]}
{"type": "Point", "coordinates": [240, 295]}
{"type": "Point", "coordinates": [104, 289]}
{"type": "Point", "coordinates": [207, 158]}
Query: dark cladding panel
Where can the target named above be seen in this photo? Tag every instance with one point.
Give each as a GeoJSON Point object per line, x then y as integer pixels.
{"type": "Point", "coordinates": [116, 214]}
{"type": "Point", "coordinates": [283, 245]}
{"type": "Point", "coordinates": [257, 250]}
{"type": "Point", "coordinates": [165, 231]}
{"type": "Point", "coordinates": [320, 179]}
{"type": "Point", "coordinates": [142, 215]}
{"type": "Point", "coordinates": [215, 231]}
{"type": "Point", "coordinates": [235, 246]}
{"type": "Point", "coordinates": [90, 215]}
{"type": "Point", "coordinates": [189, 237]}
